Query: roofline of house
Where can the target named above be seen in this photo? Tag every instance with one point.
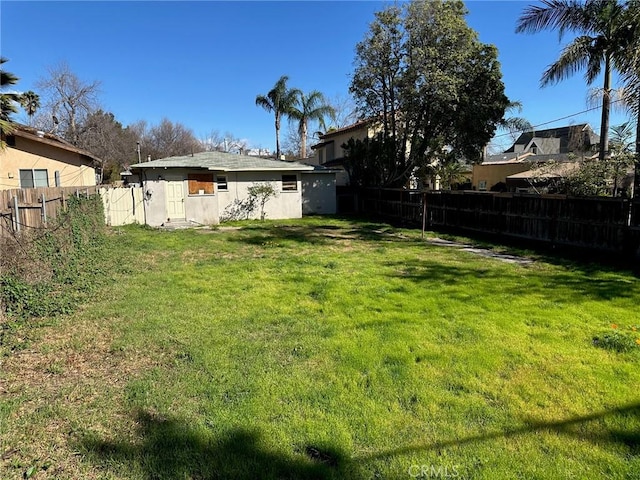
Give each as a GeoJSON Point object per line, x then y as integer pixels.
{"type": "Point", "coordinates": [304, 168]}
{"type": "Point", "coordinates": [353, 126]}
{"type": "Point", "coordinates": [52, 140]}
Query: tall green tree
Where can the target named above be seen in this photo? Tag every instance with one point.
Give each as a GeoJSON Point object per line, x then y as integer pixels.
{"type": "Point", "coordinates": [631, 78]}
{"type": "Point", "coordinates": [30, 102]}
{"type": "Point", "coordinates": [307, 108]}
{"type": "Point", "coordinates": [423, 74]}
{"type": "Point", "coordinates": [279, 100]}
{"type": "Point", "coordinates": [600, 46]}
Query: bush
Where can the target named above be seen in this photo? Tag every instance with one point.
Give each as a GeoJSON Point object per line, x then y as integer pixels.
{"type": "Point", "coordinates": [619, 339]}
{"type": "Point", "coordinates": [44, 272]}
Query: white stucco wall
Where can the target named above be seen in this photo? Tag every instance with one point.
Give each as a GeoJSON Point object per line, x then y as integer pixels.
{"type": "Point", "coordinates": [286, 204]}
{"type": "Point", "coordinates": [318, 193]}
{"type": "Point", "coordinates": [153, 193]}
{"type": "Point", "coordinates": [208, 209]}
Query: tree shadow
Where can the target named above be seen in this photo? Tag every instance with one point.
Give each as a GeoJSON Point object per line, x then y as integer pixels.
{"type": "Point", "coordinates": [574, 427]}
{"type": "Point", "coordinates": [171, 448]}
{"type": "Point", "coordinates": [259, 235]}
{"type": "Point", "coordinates": [575, 285]}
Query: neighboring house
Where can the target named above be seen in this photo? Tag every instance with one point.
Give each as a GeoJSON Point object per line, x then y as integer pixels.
{"type": "Point", "coordinates": [577, 139]}
{"type": "Point", "coordinates": [205, 188]}
{"type": "Point", "coordinates": [36, 159]}
{"type": "Point", "coordinates": [329, 152]}
{"type": "Point", "coordinates": [521, 162]}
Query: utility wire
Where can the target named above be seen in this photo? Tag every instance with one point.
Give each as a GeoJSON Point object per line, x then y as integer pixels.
{"type": "Point", "coordinates": [555, 120]}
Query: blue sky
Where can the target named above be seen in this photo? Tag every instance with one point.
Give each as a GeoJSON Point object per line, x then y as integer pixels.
{"type": "Point", "coordinates": [203, 63]}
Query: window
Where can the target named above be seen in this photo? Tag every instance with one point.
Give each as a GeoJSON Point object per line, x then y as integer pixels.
{"type": "Point", "coordinates": [222, 182]}
{"type": "Point", "coordinates": [482, 185]}
{"type": "Point", "coordinates": [289, 183]}
{"type": "Point", "coordinates": [200, 184]}
{"type": "Point", "coordinates": [33, 178]}
{"type": "Point", "coordinates": [57, 178]}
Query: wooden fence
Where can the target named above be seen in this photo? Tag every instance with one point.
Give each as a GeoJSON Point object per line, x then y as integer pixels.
{"type": "Point", "coordinates": [34, 208]}
{"type": "Point", "coordinates": [604, 224]}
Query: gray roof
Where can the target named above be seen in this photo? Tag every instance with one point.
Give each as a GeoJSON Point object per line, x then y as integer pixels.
{"type": "Point", "coordinates": [527, 157]}
{"type": "Point", "coordinates": [572, 138]}
{"type": "Point", "coordinates": [224, 162]}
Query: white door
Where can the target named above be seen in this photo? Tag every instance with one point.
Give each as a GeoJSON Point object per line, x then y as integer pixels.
{"type": "Point", "coordinates": [175, 200]}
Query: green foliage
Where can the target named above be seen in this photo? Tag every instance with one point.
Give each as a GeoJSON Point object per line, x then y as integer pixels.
{"type": "Point", "coordinates": [619, 339]}
{"type": "Point", "coordinates": [605, 38]}
{"type": "Point", "coordinates": [50, 271]}
{"type": "Point", "coordinates": [306, 108]}
{"type": "Point", "coordinates": [429, 82]}
{"type": "Point", "coordinates": [259, 195]}
{"type": "Point", "coordinates": [280, 101]}
{"type": "Point", "coordinates": [8, 101]}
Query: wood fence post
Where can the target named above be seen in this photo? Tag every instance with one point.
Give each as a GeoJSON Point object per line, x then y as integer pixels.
{"type": "Point", "coordinates": [44, 210]}
{"type": "Point", "coordinates": [17, 213]}
{"type": "Point", "coordinates": [424, 213]}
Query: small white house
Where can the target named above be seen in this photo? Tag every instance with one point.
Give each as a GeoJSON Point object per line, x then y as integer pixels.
{"type": "Point", "coordinates": [208, 187]}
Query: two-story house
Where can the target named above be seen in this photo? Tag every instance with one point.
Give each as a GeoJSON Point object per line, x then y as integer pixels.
{"type": "Point", "coordinates": [512, 169]}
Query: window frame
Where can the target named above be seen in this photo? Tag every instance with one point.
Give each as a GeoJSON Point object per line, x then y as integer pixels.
{"type": "Point", "coordinates": [289, 181]}
{"type": "Point", "coordinates": [219, 183]}
{"type": "Point", "coordinates": [32, 172]}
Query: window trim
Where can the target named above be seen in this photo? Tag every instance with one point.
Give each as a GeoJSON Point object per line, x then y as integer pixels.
{"type": "Point", "coordinates": [226, 183]}
{"type": "Point", "coordinates": [33, 171]}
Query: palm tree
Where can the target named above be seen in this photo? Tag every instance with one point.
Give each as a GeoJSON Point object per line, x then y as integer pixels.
{"type": "Point", "coordinates": [631, 79]}
{"type": "Point", "coordinates": [7, 100]}
{"type": "Point", "coordinates": [278, 100]}
{"type": "Point", "coordinates": [601, 42]}
{"type": "Point", "coordinates": [308, 108]}
{"type": "Point", "coordinates": [31, 103]}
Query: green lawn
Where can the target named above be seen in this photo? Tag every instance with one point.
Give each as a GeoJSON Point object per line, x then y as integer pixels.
{"type": "Point", "coordinates": [325, 348]}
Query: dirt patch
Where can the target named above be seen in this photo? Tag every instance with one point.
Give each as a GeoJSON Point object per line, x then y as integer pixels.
{"type": "Point", "coordinates": [483, 252]}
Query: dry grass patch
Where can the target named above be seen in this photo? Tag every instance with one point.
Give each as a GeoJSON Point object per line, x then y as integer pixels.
{"type": "Point", "coordinates": [69, 378]}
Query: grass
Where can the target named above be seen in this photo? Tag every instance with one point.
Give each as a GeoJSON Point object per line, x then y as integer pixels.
{"type": "Point", "coordinates": [326, 348]}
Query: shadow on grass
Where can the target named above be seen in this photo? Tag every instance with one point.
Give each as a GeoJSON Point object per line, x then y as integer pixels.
{"type": "Point", "coordinates": [575, 427]}
{"type": "Point", "coordinates": [315, 234]}
{"type": "Point", "coordinates": [171, 449]}
{"type": "Point", "coordinates": [574, 285]}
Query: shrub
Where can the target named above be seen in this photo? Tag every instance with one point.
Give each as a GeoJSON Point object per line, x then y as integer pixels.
{"type": "Point", "coordinates": [619, 339]}
{"type": "Point", "coordinates": [43, 272]}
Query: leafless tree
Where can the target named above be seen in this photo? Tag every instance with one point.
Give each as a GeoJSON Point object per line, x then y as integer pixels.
{"type": "Point", "coordinates": [167, 139]}
{"type": "Point", "coordinates": [68, 101]}
{"type": "Point", "coordinates": [227, 142]}
{"type": "Point", "coordinates": [345, 111]}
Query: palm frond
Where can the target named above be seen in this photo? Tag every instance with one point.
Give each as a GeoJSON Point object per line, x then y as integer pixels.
{"type": "Point", "coordinates": [561, 15]}
{"type": "Point", "coordinates": [574, 57]}
{"type": "Point", "coordinates": [264, 102]}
